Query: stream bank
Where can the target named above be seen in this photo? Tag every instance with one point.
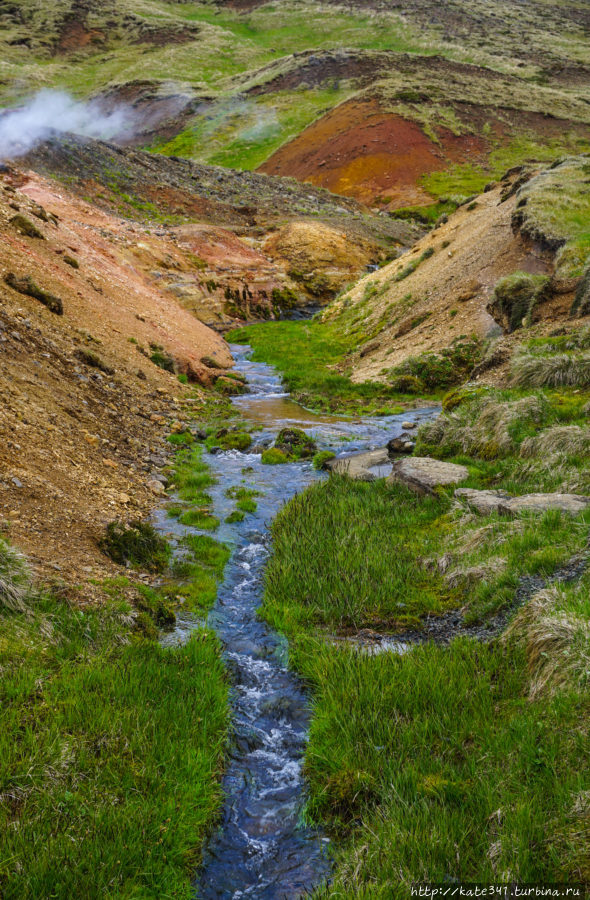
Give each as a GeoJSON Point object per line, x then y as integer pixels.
{"type": "Point", "coordinates": [262, 847]}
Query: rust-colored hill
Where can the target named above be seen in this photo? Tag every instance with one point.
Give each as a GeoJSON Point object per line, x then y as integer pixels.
{"type": "Point", "coordinates": [83, 403]}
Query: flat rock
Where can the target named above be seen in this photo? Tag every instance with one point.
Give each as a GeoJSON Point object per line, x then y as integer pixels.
{"type": "Point", "coordinates": [486, 502]}
{"type": "Point", "coordinates": [423, 474]}
{"type": "Point", "coordinates": [358, 465]}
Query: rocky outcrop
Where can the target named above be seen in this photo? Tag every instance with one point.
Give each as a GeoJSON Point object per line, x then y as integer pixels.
{"type": "Point", "coordinates": [486, 502]}
{"type": "Point", "coordinates": [423, 474]}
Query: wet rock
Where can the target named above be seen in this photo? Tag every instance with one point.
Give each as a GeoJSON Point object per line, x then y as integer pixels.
{"type": "Point", "coordinates": [486, 502]}
{"type": "Point", "coordinates": [358, 465]}
{"type": "Point", "coordinates": [400, 445]}
{"type": "Point", "coordinates": [423, 474]}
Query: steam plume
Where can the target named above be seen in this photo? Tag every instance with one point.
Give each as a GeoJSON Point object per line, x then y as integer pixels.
{"type": "Point", "coordinates": [22, 129]}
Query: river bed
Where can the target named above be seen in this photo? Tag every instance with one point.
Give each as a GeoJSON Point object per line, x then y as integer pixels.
{"type": "Point", "coordinates": [262, 847]}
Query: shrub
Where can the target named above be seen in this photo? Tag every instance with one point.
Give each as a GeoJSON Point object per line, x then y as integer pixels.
{"type": "Point", "coordinates": [137, 544]}
{"type": "Point", "coordinates": [407, 384]}
{"type": "Point", "coordinates": [581, 304]}
{"type": "Point", "coordinates": [25, 226]}
{"type": "Point", "coordinates": [93, 360]}
{"type": "Point", "coordinates": [25, 285]}
{"type": "Point", "coordinates": [450, 366]}
{"type": "Point", "coordinates": [559, 370]}
{"type": "Point", "coordinates": [161, 358]}
{"type": "Point", "coordinates": [15, 579]}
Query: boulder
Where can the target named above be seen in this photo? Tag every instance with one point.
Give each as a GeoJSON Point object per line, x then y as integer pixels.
{"type": "Point", "coordinates": [486, 502]}
{"type": "Point", "coordinates": [423, 474]}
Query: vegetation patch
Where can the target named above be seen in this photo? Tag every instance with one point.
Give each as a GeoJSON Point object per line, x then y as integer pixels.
{"type": "Point", "coordinates": [436, 760]}
{"type": "Point", "coordinates": [311, 357]}
{"type": "Point", "coordinates": [26, 285]}
{"type": "Point", "coordinates": [320, 459]}
{"type": "Point", "coordinates": [274, 457]}
{"type": "Point", "coordinates": [102, 732]}
{"type": "Point", "coordinates": [137, 544]}
{"type": "Point", "coordinates": [515, 298]}
{"type": "Point", "coordinates": [435, 370]}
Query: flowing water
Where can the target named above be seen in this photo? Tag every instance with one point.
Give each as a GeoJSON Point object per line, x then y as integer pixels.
{"type": "Point", "coordinates": [262, 848]}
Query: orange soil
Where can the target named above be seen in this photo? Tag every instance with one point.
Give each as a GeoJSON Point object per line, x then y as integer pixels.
{"type": "Point", "coordinates": [359, 150]}
{"type": "Point", "coordinates": [77, 443]}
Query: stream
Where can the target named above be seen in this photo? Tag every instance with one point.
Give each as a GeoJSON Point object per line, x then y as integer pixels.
{"type": "Point", "coordinates": [262, 847]}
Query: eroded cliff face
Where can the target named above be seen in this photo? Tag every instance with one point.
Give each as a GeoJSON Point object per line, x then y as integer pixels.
{"type": "Point", "coordinates": [222, 241]}
{"type": "Point", "coordinates": [84, 333]}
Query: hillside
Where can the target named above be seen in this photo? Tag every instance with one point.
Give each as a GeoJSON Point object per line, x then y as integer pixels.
{"type": "Point", "coordinates": [85, 397]}
{"type": "Point", "coordinates": [234, 226]}
{"type": "Point", "coordinates": [333, 94]}
{"type": "Point", "coordinates": [514, 255]}
{"type": "Point", "coordinates": [294, 448]}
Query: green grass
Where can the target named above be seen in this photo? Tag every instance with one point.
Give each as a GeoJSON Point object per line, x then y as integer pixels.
{"type": "Point", "coordinates": [462, 181]}
{"type": "Point", "coordinates": [433, 765]}
{"type": "Point", "coordinates": [353, 565]}
{"type": "Point", "coordinates": [242, 134]}
{"type": "Point", "coordinates": [308, 355]}
{"type": "Point", "coordinates": [110, 754]}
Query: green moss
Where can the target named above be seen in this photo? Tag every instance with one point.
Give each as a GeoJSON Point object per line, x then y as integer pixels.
{"type": "Point", "coordinates": [274, 457]}
{"type": "Point", "coordinates": [321, 458]}
{"type": "Point", "coordinates": [198, 518]}
{"type": "Point", "coordinates": [235, 516]}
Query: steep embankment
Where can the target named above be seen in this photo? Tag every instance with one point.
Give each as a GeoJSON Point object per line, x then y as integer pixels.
{"type": "Point", "coordinates": [485, 271]}
{"type": "Point", "coordinates": [84, 399]}
{"type": "Point", "coordinates": [224, 218]}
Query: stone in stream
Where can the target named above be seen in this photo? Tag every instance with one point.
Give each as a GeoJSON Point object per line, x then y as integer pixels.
{"type": "Point", "coordinates": [486, 502]}
{"type": "Point", "coordinates": [423, 474]}
{"type": "Point", "coordinates": [400, 445]}
{"type": "Point", "coordinates": [358, 465]}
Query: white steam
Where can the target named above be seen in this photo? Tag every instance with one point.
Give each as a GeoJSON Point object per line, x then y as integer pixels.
{"type": "Point", "coordinates": [22, 129]}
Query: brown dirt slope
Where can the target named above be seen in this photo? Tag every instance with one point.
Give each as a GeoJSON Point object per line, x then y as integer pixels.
{"type": "Point", "coordinates": [412, 116]}
{"type": "Point", "coordinates": [441, 290]}
{"type": "Point", "coordinates": [83, 412]}
{"type": "Point", "coordinates": [224, 217]}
